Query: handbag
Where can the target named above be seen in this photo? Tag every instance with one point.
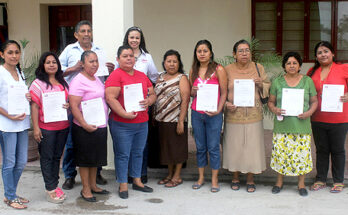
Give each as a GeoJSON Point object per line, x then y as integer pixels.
{"type": "Point", "coordinates": [263, 99]}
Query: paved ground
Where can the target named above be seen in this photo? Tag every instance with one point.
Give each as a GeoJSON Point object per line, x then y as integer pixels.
{"type": "Point", "coordinates": [180, 200]}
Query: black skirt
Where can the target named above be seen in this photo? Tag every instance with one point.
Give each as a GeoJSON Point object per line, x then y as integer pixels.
{"type": "Point", "coordinates": [90, 149]}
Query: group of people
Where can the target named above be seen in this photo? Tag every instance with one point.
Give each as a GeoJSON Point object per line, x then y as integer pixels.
{"type": "Point", "coordinates": [82, 76]}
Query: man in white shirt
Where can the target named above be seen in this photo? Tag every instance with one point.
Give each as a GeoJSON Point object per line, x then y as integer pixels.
{"type": "Point", "coordinates": [71, 66]}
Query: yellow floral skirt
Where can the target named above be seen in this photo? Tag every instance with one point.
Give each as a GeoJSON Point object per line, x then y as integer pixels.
{"type": "Point", "coordinates": [291, 154]}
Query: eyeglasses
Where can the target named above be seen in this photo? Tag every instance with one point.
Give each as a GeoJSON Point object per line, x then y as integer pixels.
{"type": "Point", "coordinates": [241, 51]}
{"type": "Point", "coordinates": [134, 28]}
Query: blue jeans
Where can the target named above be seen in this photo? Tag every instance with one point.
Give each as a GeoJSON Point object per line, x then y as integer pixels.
{"type": "Point", "coordinates": [14, 147]}
{"type": "Point", "coordinates": [129, 141]}
{"type": "Point", "coordinates": [207, 132]}
{"type": "Point", "coordinates": [69, 166]}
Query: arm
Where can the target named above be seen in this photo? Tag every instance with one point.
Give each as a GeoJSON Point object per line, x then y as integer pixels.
{"type": "Point", "coordinates": [221, 74]}
{"type": "Point", "coordinates": [229, 104]}
{"type": "Point", "coordinates": [184, 87]}
{"type": "Point", "coordinates": [75, 101]}
{"type": "Point", "coordinates": [313, 106]}
{"type": "Point", "coordinates": [272, 106]}
{"type": "Point", "coordinates": [150, 99]}
{"type": "Point", "coordinates": [194, 89]}
{"type": "Point", "coordinates": [152, 70]}
{"type": "Point", "coordinates": [76, 68]}
{"type": "Point", "coordinates": [18, 117]}
{"type": "Point", "coordinates": [111, 95]}
{"type": "Point", "coordinates": [35, 120]}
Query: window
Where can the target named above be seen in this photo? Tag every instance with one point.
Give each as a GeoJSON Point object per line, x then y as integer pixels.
{"type": "Point", "coordinates": [298, 25]}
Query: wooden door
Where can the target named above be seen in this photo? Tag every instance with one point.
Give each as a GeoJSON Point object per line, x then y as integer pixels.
{"type": "Point", "coordinates": [62, 21]}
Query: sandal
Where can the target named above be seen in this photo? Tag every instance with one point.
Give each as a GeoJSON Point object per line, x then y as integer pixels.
{"type": "Point", "coordinates": [16, 204]}
{"type": "Point", "coordinates": [337, 188]}
{"type": "Point", "coordinates": [164, 181]}
{"type": "Point", "coordinates": [173, 183]}
{"type": "Point", "coordinates": [21, 199]}
{"type": "Point", "coordinates": [51, 196]}
{"type": "Point", "coordinates": [250, 188]}
{"type": "Point", "coordinates": [235, 185]}
{"type": "Point", "coordinates": [317, 186]}
{"type": "Point", "coordinates": [60, 193]}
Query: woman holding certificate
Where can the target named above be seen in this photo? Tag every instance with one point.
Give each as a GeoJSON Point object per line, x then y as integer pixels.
{"type": "Point", "coordinates": [14, 122]}
{"type": "Point", "coordinates": [293, 100]}
{"type": "Point", "coordinates": [129, 93]}
{"type": "Point", "coordinates": [89, 132]}
{"type": "Point", "coordinates": [173, 96]}
{"type": "Point", "coordinates": [243, 152]}
{"type": "Point", "coordinates": [49, 93]}
{"type": "Point", "coordinates": [330, 121]}
{"type": "Point", "coordinates": [209, 90]}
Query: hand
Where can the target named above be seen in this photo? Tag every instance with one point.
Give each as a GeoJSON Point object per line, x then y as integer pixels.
{"type": "Point", "coordinates": [258, 82]}
{"type": "Point", "coordinates": [231, 107]}
{"type": "Point", "coordinates": [211, 113]}
{"type": "Point", "coordinates": [77, 66]}
{"type": "Point", "coordinates": [304, 115]}
{"type": "Point", "coordinates": [110, 66]}
{"type": "Point", "coordinates": [66, 106]}
{"type": "Point", "coordinates": [28, 96]}
{"type": "Point", "coordinates": [130, 115]}
{"type": "Point", "coordinates": [37, 135]}
{"type": "Point", "coordinates": [19, 117]}
{"type": "Point", "coordinates": [90, 128]}
{"type": "Point", "coordinates": [344, 98]}
{"type": "Point", "coordinates": [145, 103]}
{"type": "Point", "coordinates": [278, 111]}
{"type": "Point", "coordinates": [180, 128]}
{"type": "Point", "coordinates": [194, 91]}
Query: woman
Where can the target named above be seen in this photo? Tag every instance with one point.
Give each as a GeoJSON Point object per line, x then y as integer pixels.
{"type": "Point", "coordinates": [291, 152]}
{"type": "Point", "coordinates": [51, 136]}
{"type": "Point", "coordinates": [13, 127]}
{"type": "Point", "coordinates": [242, 152]}
{"type": "Point", "coordinates": [329, 128]}
{"type": "Point", "coordinates": [207, 125]}
{"type": "Point", "coordinates": [89, 140]}
{"type": "Point", "coordinates": [128, 129]}
{"type": "Point", "coordinates": [134, 38]}
{"type": "Point", "coordinates": [173, 95]}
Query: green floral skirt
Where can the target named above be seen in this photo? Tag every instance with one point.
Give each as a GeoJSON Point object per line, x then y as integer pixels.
{"type": "Point", "coordinates": [291, 154]}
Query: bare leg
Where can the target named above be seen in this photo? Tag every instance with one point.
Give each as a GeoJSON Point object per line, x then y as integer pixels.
{"type": "Point", "coordinates": [177, 172]}
{"type": "Point", "coordinates": [235, 177]}
{"type": "Point", "coordinates": [279, 182]}
{"type": "Point", "coordinates": [92, 179]}
{"type": "Point", "coordinates": [86, 189]}
{"type": "Point", "coordinates": [138, 182]}
{"type": "Point", "coordinates": [214, 178]}
{"type": "Point", "coordinates": [170, 170]}
{"type": "Point", "coordinates": [301, 183]}
{"type": "Point", "coordinates": [123, 187]}
{"type": "Point", "coordinates": [201, 175]}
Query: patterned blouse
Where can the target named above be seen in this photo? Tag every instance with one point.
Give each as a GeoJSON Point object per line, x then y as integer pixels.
{"type": "Point", "coordinates": [167, 107]}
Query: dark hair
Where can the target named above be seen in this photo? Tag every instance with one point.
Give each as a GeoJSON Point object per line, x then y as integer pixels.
{"type": "Point", "coordinates": [176, 53]}
{"type": "Point", "coordinates": [121, 48]}
{"type": "Point", "coordinates": [196, 64]}
{"type": "Point", "coordinates": [142, 44]}
{"type": "Point", "coordinates": [4, 47]}
{"type": "Point", "coordinates": [238, 43]}
{"type": "Point", "coordinates": [86, 54]}
{"type": "Point", "coordinates": [82, 22]}
{"type": "Point", "coordinates": [42, 75]}
{"type": "Point", "coordinates": [296, 55]}
{"type": "Point", "coordinates": [316, 63]}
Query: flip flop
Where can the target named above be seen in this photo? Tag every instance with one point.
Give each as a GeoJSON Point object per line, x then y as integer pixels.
{"type": "Point", "coordinates": [317, 186]}
{"type": "Point", "coordinates": [337, 188]}
{"type": "Point", "coordinates": [197, 186]}
{"type": "Point", "coordinates": [215, 189]}
{"type": "Point", "coordinates": [16, 204]}
{"type": "Point", "coordinates": [173, 183]}
{"type": "Point", "coordinates": [21, 199]}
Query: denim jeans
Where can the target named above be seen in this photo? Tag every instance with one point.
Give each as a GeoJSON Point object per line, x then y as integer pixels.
{"type": "Point", "coordinates": [14, 147]}
{"type": "Point", "coordinates": [51, 149]}
{"type": "Point", "coordinates": [69, 166]}
{"type": "Point", "coordinates": [329, 139]}
{"type": "Point", "coordinates": [129, 141]}
{"type": "Point", "coordinates": [207, 133]}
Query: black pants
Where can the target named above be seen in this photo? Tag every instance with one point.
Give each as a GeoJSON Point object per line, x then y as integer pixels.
{"type": "Point", "coordinates": [51, 149]}
{"type": "Point", "coordinates": [329, 140]}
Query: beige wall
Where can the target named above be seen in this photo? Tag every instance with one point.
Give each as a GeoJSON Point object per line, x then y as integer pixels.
{"type": "Point", "coordinates": [180, 24]}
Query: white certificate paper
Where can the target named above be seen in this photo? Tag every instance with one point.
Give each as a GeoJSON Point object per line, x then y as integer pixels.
{"type": "Point", "coordinates": [330, 99]}
{"type": "Point", "coordinates": [244, 93]}
{"type": "Point", "coordinates": [93, 112]}
{"type": "Point", "coordinates": [207, 97]}
{"type": "Point", "coordinates": [102, 70]}
{"type": "Point", "coordinates": [52, 104]}
{"type": "Point", "coordinates": [133, 94]}
{"type": "Point", "coordinates": [17, 102]}
{"type": "Point", "coordinates": [292, 101]}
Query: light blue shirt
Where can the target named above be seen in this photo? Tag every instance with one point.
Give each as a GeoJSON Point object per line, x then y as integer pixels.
{"type": "Point", "coordinates": [72, 54]}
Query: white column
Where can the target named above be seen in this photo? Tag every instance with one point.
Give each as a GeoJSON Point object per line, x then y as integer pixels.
{"type": "Point", "coordinates": [111, 19]}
